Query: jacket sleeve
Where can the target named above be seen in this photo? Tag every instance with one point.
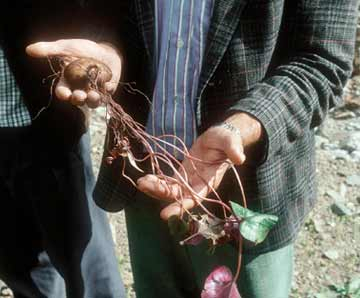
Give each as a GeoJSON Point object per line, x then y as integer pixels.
{"type": "Point", "coordinates": [296, 96]}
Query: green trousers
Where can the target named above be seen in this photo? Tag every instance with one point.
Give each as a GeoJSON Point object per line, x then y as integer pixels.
{"type": "Point", "coordinates": [163, 268]}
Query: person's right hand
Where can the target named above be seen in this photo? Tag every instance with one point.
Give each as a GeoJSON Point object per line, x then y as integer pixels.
{"type": "Point", "coordinates": [71, 49]}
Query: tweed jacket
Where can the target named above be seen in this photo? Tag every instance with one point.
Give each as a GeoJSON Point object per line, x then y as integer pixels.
{"type": "Point", "coordinates": [285, 62]}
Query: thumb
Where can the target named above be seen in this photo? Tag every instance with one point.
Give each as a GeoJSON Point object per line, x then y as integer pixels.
{"type": "Point", "coordinates": [64, 47]}
{"type": "Point", "coordinates": [235, 151]}
{"type": "Point", "coordinates": [43, 49]}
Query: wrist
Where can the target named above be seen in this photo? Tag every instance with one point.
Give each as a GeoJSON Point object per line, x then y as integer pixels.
{"type": "Point", "coordinates": [250, 129]}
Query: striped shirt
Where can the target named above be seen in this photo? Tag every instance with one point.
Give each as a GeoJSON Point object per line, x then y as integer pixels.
{"type": "Point", "coordinates": [13, 112]}
{"type": "Point", "coordinates": [181, 28]}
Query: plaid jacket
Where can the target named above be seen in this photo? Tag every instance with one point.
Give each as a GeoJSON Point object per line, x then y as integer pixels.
{"type": "Point", "coordinates": [283, 61]}
{"type": "Point", "coordinates": [13, 112]}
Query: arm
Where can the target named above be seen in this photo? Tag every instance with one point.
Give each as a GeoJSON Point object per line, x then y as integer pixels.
{"type": "Point", "coordinates": [294, 98]}
{"type": "Point", "coordinates": [297, 95]}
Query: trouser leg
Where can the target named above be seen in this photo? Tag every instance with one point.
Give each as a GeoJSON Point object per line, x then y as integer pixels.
{"type": "Point", "coordinates": [23, 265]}
{"type": "Point", "coordinates": [48, 207]}
{"type": "Point", "coordinates": [43, 277]}
{"type": "Point", "coordinates": [161, 268]}
{"type": "Point", "coordinates": [100, 267]}
{"type": "Point", "coordinates": [76, 233]}
{"type": "Point", "coordinates": [266, 275]}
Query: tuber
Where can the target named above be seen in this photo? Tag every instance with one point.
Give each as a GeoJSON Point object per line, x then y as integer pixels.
{"type": "Point", "coordinates": [87, 74]}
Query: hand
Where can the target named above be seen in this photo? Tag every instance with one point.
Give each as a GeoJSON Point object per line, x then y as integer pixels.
{"type": "Point", "coordinates": [71, 49]}
{"type": "Point", "coordinates": [216, 147]}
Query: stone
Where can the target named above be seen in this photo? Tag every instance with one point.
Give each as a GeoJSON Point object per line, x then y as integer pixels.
{"type": "Point", "coordinates": [343, 190]}
{"type": "Point", "coordinates": [351, 142]}
{"type": "Point", "coordinates": [331, 254]}
{"type": "Point", "coordinates": [329, 146]}
{"type": "Point", "coordinates": [340, 209]}
{"type": "Point", "coordinates": [344, 115]}
{"type": "Point", "coordinates": [353, 126]}
{"type": "Point", "coordinates": [319, 140]}
{"type": "Point", "coordinates": [340, 154]}
{"type": "Point", "coordinates": [326, 294]}
{"type": "Point", "coordinates": [341, 173]}
{"type": "Point", "coordinates": [334, 195]}
{"type": "Point", "coordinates": [318, 225]}
{"type": "Point", "coordinates": [355, 156]}
{"type": "Point", "coordinates": [353, 180]}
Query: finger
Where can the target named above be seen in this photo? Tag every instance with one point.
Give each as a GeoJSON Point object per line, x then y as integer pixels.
{"type": "Point", "coordinates": [111, 86]}
{"type": "Point", "coordinates": [235, 154]}
{"type": "Point", "coordinates": [42, 49]}
{"type": "Point", "coordinates": [234, 150]}
{"type": "Point", "coordinates": [62, 90]}
{"type": "Point", "coordinates": [78, 97]}
{"type": "Point", "coordinates": [177, 208]}
{"type": "Point", "coordinates": [93, 99]}
{"type": "Point", "coordinates": [63, 47]}
{"type": "Point", "coordinates": [158, 188]}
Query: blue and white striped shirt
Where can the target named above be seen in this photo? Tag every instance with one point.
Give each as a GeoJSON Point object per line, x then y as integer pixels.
{"type": "Point", "coordinates": [181, 28]}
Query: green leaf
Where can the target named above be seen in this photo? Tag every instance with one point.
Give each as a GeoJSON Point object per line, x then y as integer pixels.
{"type": "Point", "coordinates": [257, 227]}
{"type": "Point", "coordinates": [240, 211]}
{"type": "Point", "coordinates": [177, 226]}
{"type": "Point", "coordinates": [254, 226]}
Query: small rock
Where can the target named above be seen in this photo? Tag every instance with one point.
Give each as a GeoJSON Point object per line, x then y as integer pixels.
{"type": "Point", "coordinates": [331, 254]}
{"type": "Point", "coordinates": [340, 154]}
{"type": "Point", "coordinates": [341, 173]}
{"type": "Point", "coordinates": [353, 180]}
{"type": "Point", "coordinates": [350, 205]}
{"type": "Point", "coordinates": [353, 126]}
{"type": "Point", "coordinates": [332, 224]}
{"type": "Point", "coordinates": [325, 294]}
{"type": "Point", "coordinates": [343, 190]}
{"type": "Point", "coordinates": [344, 115]}
{"type": "Point", "coordinates": [355, 156]}
{"type": "Point", "coordinates": [329, 146]}
{"type": "Point", "coordinates": [351, 142]}
{"type": "Point", "coordinates": [320, 140]}
{"type": "Point", "coordinates": [340, 209]}
{"type": "Point", "coordinates": [334, 195]}
{"type": "Point", "coordinates": [318, 225]}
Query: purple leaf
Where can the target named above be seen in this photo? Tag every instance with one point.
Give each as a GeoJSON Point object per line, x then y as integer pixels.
{"type": "Point", "coordinates": [220, 284]}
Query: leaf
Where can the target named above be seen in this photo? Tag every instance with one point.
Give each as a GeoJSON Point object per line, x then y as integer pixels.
{"type": "Point", "coordinates": [205, 227]}
{"type": "Point", "coordinates": [211, 228]}
{"type": "Point", "coordinates": [240, 211]}
{"type": "Point", "coordinates": [177, 226]}
{"type": "Point", "coordinates": [254, 226]}
{"type": "Point", "coordinates": [220, 284]}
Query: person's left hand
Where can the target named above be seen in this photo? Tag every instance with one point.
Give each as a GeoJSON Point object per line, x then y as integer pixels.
{"type": "Point", "coordinates": [216, 147]}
